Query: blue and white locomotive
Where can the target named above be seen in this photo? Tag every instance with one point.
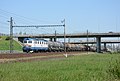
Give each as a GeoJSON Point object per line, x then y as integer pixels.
{"type": "Point", "coordinates": [34, 45]}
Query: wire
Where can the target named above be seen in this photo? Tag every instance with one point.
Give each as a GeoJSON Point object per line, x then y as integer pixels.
{"type": "Point", "coordinates": [4, 29]}
{"type": "Point", "coordinates": [18, 17]}
{"type": "Point", "coordinates": [4, 23]}
{"type": "Point", "coordinates": [3, 16]}
{"type": "Point", "coordinates": [23, 17]}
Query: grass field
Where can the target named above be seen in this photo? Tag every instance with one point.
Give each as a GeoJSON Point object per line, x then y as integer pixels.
{"type": "Point", "coordinates": [76, 68]}
{"type": "Point", "coordinates": [5, 44]}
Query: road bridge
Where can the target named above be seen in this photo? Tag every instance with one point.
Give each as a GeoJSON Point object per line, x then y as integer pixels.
{"type": "Point", "coordinates": [98, 37]}
{"type": "Point", "coordinates": [78, 35]}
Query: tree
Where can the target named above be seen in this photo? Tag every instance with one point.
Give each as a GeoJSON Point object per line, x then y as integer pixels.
{"type": "Point", "coordinates": [24, 33]}
{"type": "Point", "coordinates": [7, 38]}
{"type": "Point", "coordinates": [20, 33]}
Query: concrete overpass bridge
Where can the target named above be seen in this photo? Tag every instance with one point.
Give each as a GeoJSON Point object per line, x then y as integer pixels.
{"type": "Point", "coordinates": [98, 37]}
{"type": "Point", "coordinates": [77, 35]}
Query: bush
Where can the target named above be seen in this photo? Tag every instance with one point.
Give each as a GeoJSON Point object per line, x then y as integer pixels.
{"type": "Point", "coordinates": [7, 38]}
{"type": "Point", "coordinates": [114, 69]}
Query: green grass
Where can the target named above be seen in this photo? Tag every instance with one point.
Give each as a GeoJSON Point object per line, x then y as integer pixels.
{"type": "Point", "coordinates": [75, 68]}
{"type": "Point", "coordinates": [5, 44]}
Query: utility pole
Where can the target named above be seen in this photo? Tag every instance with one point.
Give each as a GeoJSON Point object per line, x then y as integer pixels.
{"type": "Point", "coordinates": [64, 38]}
{"type": "Point", "coordinates": [55, 37]}
{"type": "Point", "coordinates": [11, 35]}
{"type": "Point", "coordinates": [87, 41]}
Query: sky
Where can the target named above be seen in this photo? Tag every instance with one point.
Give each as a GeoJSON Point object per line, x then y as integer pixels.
{"type": "Point", "coordinates": [80, 15]}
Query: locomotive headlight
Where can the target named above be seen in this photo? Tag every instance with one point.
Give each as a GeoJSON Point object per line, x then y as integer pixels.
{"type": "Point", "coordinates": [26, 45]}
{"type": "Point", "coordinates": [29, 45]}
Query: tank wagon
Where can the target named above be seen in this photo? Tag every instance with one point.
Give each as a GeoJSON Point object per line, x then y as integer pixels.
{"type": "Point", "coordinates": [40, 45]}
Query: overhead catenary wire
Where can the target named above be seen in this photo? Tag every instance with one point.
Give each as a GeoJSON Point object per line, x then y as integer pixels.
{"type": "Point", "coordinates": [20, 19]}
{"type": "Point", "coordinates": [3, 23]}
{"type": "Point", "coordinates": [3, 16]}
{"type": "Point", "coordinates": [17, 18]}
{"type": "Point", "coordinates": [31, 20]}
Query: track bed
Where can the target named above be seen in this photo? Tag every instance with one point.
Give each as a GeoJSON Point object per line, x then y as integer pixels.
{"type": "Point", "coordinates": [26, 57]}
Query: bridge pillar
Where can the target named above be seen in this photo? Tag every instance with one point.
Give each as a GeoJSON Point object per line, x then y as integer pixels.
{"type": "Point", "coordinates": [51, 39]}
{"type": "Point", "coordinates": [55, 39]}
{"type": "Point", "coordinates": [105, 48]}
{"type": "Point", "coordinates": [98, 40]}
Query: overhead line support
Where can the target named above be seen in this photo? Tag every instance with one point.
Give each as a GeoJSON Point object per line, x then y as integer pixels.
{"type": "Point", "coordinates": [11, 32]}
{"type": "Point", "coordinates": [40, 26]}
{"type": "Point", "coordinates": [11, 35]}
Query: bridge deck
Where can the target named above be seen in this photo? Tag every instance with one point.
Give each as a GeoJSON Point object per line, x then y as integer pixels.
{"type": "Point", "coordinates": [82, 35]}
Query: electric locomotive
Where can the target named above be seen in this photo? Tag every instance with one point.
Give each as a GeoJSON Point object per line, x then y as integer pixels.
{"type": "Point", "coordinates": [34, 45]}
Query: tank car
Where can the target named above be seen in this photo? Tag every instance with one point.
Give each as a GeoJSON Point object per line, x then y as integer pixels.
{"type": "Point", "coordinates": [55, 46]}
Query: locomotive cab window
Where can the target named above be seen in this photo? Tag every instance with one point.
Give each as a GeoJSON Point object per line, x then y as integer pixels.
{"type": "Point", "coordinates": [29, 41]}
{"type": "Point", "coordinates": [45, 42]}
{"type": "Point", "coordinates": [35, 42]}
{"type": "Point", "coordinates": [25, 41]}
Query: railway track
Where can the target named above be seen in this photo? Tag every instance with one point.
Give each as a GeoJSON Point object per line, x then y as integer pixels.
{"type": "Point", "coordinates": [23, 57]}
{"type": "Point", "coordinates": [19, 55]}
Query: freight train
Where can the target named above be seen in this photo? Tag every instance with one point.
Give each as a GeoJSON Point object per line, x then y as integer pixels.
{"type": "Point", "coordinates": [40, 45]}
